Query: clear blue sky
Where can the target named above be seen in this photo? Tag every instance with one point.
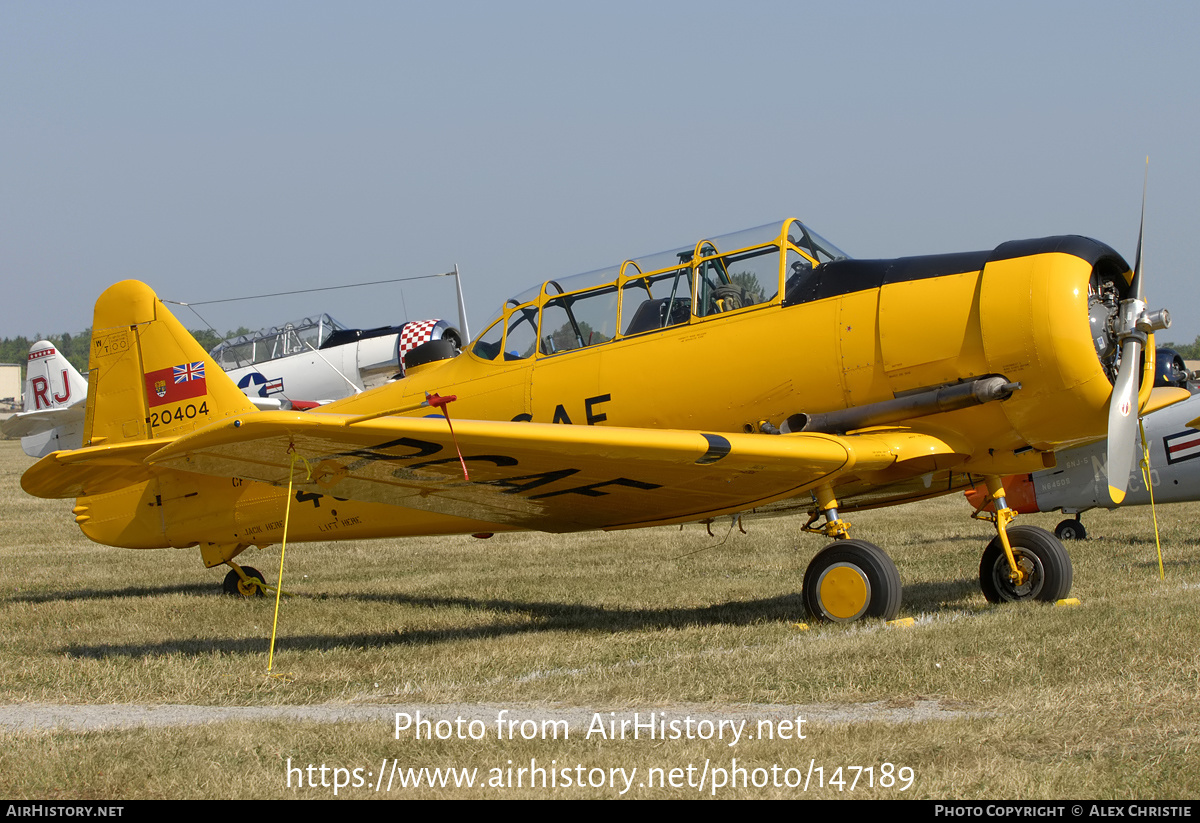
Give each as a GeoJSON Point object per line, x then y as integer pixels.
{"type": "Point", "coordinates": [221, 149]}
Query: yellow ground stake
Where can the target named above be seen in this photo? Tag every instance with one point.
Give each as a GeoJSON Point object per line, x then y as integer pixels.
{"type": "Point", "coordinates": [282, 551]}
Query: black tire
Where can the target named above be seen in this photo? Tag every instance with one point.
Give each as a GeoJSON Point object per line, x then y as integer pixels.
{"type": "Point", "coordinates": [233, 583]}
{"type": "Point", "coordinates": [1070, 530]}
{"type": "Point", "coordinates": [1041, 555]}
{"type": "Point", "coordinates": [849, 580]}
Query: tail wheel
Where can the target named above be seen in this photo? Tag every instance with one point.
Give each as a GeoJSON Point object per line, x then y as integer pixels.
{"type": "Point", "coordinates": [1039, 554]}
{"type": "Point", "coordinates": [1070, 530]}
{"type": "Point", "coordinates": [852, 579]}
{"type": "Point", "coordinates": [235, 585]}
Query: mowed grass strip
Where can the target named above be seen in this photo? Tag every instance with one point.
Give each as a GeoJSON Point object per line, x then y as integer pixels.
{"type": "Point", "coordinates": [1098, 700]}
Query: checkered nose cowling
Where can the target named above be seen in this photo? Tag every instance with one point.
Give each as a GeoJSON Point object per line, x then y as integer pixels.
{"type": "Point", "coordinates": [412, 335]}
{"type": "Point", "coordinates": [418, 332]}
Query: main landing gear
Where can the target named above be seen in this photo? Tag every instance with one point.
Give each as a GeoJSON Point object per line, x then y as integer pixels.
{"type": "Point", "coordinates": [1045, 567]}
{"type": "Point", "coordinates": [850, 580]}
{"type": "Point", "coordinates": [1024, 562]}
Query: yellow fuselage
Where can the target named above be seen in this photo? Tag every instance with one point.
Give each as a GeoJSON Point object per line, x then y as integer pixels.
{"type": "Point", "coordinates": [841, 335]}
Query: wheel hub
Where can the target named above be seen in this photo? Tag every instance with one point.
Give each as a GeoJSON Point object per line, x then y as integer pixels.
{"type": "Point", "coordinates": [1025, 582]}
{"type": "Point", "coordinates": [844, 592]}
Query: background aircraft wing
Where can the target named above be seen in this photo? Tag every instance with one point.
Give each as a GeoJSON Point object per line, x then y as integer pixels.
{"type": "Point", "coordinates": [536, 476]}
{"type": "Point", "coordinates": [24, 424]}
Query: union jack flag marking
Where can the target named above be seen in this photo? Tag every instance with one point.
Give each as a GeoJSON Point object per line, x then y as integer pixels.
{"type": "Point", "coordinates": [188, 372]}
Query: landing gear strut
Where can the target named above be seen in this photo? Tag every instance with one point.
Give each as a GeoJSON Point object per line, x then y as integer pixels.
{"type": "Point", "coordinates": [1024, 562]}
{"type": "Point", "coordinates": [1044, 563]}
{"type": "Point", "coordinates": [848, 579]}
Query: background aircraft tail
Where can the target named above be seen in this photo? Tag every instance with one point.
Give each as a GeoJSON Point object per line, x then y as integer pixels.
{"type": "Point", "coordinates": [55, 394]}
{"type": "Point", "coordinates": [148, 377]}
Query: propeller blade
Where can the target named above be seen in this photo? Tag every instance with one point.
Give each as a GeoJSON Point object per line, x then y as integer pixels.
{"type": "Point", "coordinates": [1136, 286]}
{"type": "Point", "coordinates": [1123, 420]}
{"type": "Point", "coordinates": [1133, 325]}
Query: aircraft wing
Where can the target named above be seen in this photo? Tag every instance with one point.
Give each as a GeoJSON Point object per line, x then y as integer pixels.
{"type": "Point", "coordinates": [546, 477]}
{"type": "Point", "coordinates": [24, 424]}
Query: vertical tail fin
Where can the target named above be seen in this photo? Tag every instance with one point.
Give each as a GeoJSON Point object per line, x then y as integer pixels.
{"type": "Point", "coordinates": [55, 394]}
{"type": "Point", "coordinates": [51, 382]}
{"type": "Point", "coordinates": [148, 378]}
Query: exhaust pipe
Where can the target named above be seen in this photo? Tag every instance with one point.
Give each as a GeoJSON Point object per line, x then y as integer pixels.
{"type": "Point", "coordinates": [919, 404]}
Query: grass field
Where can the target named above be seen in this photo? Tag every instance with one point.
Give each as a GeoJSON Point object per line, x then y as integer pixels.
{"type": "Point", "coordinates": [1101, 700]}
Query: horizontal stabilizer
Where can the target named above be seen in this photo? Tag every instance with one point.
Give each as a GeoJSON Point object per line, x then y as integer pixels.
{"type": "Point", "coordinates": [25, 424]}
{"type": "Point", "coordinates": [91, 470]}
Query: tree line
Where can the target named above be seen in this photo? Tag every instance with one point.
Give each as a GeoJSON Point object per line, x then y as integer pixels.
{"type": "Point", "coordinates": [1188, 351]}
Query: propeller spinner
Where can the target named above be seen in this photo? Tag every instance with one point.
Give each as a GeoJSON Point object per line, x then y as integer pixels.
{"type": "Point", "coordinates": [1132, 324]}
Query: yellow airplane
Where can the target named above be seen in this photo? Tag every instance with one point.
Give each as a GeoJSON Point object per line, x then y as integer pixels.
{"type": "Point", "coordinates": [763, 371]}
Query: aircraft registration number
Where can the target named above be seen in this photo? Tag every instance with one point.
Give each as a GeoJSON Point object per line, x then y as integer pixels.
{"type": "Point", "coordinates": [180, 413]}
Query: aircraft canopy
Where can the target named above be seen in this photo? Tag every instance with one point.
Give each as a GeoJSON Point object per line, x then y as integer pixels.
{"type": "Point", "coordinates": [718, 276]}
{"type": "Point", "coordinates": [275, 342]}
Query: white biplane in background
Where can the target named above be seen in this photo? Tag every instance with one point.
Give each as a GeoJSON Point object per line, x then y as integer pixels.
{"type": "Point", "coordinates": [318, 360]}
